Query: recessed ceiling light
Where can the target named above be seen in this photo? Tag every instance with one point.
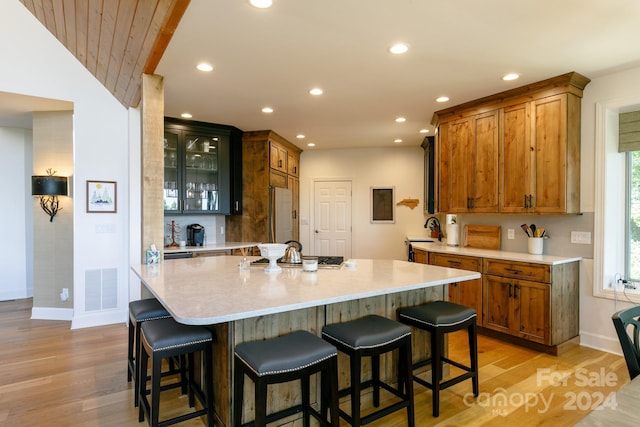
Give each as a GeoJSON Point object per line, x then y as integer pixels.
{"type": "Point", "coordinates": [510, 76]}
{"type": "Point", "coordinates": [186, 115]}
{"type": "Point", "coordinates": [424, 130]}
{"type": "Point", "coordinates": [398, 48]}
{"type": "Point", "coordinates": [401, 120]}
{"type": "Point", "coordinates": [300, 136]}
{"type": "Point", "coordinates": [442, 99]}
{"type": "Point", "coordinates": [261, 4]}
{"type": "Point", "coordinates": [397, 141]}
{"type": "Point", "coordinates": [204, 67]}
{"type": "Point", "coordinates": [267, 110]}
{"type": "Point", "coordinates": [311, 144]}
{"type": "Point", "coordinates": [316, 91]}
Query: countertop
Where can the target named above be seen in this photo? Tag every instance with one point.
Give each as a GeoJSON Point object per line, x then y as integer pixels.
{"type": "Point", "coordinates": [226, 246]}
{"type": "Point", "coordinates": [441, 247]}
{"type": "Point", "coordinates": [210, 290]}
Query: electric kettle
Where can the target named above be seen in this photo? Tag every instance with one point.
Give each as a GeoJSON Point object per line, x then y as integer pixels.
{"type": "Point", "coordinates": [292, 254]}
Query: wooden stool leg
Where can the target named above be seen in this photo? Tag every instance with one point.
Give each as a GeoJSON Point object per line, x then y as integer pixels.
{"type": "Point", "coordinates": [436, 370]}
{"type": "Point", "coordinates": [407, 378]}
{"type": "Point", "coordinates": [473, 355]}
{"type": "Point", "coordinates": [141, 381]}
{"type": "Point", "coordinates": [261, 403]}
{"type": "Point", "coordinates": [208, 382]}
{"type": "Point", "coordinates": [238, 393]}
{"type": "Point", "coordinates": [375, 376]}
{"type": "Point", "coordinates": [355, 388]}
{"type": "Point", "coordinates": [333, 392]}
{"type": "Point", "coordinates": [306, 399]}
{"type": "Point", "coordinates": [156, 373]}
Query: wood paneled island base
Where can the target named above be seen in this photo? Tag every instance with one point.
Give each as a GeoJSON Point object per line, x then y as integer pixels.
{"type": "Point", "coordinates": [246, 305]}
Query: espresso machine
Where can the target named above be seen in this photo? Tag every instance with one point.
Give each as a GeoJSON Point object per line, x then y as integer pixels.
{"type": "Point", "coordinates": [195, 235]}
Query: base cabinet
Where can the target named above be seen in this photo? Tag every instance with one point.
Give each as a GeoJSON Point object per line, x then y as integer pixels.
{"type": "Point", "coordinates": [468, 292]}
{"type": "Point", "coordinates": [517, 307]}
{"type": "Point", "coordinates": [536, 303]}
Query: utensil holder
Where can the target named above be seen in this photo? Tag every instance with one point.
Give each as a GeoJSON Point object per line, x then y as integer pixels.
{"type": "Point", "coordinates": [535, 245]}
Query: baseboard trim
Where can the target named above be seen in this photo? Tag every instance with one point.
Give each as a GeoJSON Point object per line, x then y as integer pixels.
{"type": "Point", "coordinates": [99, 319]}
{"type": "Point", "coordinates": [51, 313]}
{"type": "Point", "coordinates": [600, 342]}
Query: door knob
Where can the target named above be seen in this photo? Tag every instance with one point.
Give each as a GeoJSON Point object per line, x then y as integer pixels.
{"type": "Point", "coordinates": [317, 231]}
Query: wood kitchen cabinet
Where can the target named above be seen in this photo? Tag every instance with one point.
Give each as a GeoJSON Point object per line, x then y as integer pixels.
{"type": "Point", "coordinates": [520, 150]}
{"type": "Point", "coordinates": [468, 292]}
{"type": "Point", "coordinates": [469, 164]}
{"type": "Point", "coordinates": [267, 160]}
{"type": "Point", "coordinates": [541, 156]}
{"type": "Point", "coordinates": [531, 301]}
{"type": "Point", "coordinates": [420, 256]}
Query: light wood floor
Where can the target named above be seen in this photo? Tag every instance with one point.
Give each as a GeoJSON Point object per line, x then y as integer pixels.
{"type": "Point", "coordinates": [53, 376]}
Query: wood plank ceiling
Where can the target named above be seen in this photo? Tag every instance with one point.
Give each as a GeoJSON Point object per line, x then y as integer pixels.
{"type": "Point", "coordinates": [116, 40]}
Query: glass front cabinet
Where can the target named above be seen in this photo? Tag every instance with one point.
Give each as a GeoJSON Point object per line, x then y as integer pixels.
{"type": "Point", "coordinates": [198, 168]}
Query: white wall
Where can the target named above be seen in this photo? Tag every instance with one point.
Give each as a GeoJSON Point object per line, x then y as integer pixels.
{"type": "Point", "coordinates": [596, 329]}
{"type": "Point", "coordinates": [398, 167]}
{"type": "Point", "coordinates": [36, 64]}
{"type": "Point", "coordinates": [16, 281]}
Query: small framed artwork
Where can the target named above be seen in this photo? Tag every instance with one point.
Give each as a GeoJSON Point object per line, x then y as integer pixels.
{"type": "Point", "coordinates": [382, 205]}
{"type": "Point", "coordinates": [101, 197]}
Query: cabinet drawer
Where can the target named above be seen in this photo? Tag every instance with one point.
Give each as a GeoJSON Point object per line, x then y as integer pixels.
{"type": "Point", "coordinates": [278, 179]}
{"type": "Point", "coordinates": [518, 270]}
{"type": "Point", "coordinates": [455, 261]}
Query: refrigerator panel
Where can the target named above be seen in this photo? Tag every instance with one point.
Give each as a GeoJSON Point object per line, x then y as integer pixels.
{"type": "Point", "coordinates": [280, 218]}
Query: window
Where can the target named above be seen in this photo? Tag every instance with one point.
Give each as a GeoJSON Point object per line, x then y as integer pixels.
{"type": "Point", "coordinates": [632, 261]}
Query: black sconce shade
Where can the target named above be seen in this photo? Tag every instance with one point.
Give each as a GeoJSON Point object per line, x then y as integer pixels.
{"type": "Point", "coordinates": [49, 185]}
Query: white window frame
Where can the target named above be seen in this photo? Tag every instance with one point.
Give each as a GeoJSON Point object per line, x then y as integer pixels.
{"type": "Point", "coordinates": [610, 201]}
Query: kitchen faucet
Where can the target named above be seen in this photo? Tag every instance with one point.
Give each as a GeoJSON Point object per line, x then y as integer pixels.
{"type": "Point", "coordinates": [437, 224]}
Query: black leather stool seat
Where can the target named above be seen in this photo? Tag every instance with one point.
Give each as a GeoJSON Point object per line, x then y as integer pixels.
{"type": "Point", "coordinates": [438, 314]}
{"type": "Point", "coordinates": [297, 355]}
{"type": "Point", "coordinates": [166, 338]}
{"type": "Point", "coordinates": [140, 311]}
{"type": "Point", "coordinates": [439, 318]}
{"type": "Point", "coordinates": [372, 336]}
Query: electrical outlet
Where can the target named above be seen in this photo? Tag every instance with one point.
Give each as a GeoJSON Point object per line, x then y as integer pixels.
{"type": "Point", "coordinates": [511, 234]}
{"type": "Point", "coordinates": [64, 295]}
{"type": "Point", "coordinates": [581, 237]}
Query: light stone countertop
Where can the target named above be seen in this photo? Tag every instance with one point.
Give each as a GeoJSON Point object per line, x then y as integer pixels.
{"type": "Point", "coordinates": [226, 246]}
{"type": "Point", "coordinates": [210, 290]}
{"type": "Point", "coordinates": [441, 247]}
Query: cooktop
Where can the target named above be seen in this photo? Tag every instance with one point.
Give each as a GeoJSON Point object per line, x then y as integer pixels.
{"type": "Point", "coordinates": [323, 262]}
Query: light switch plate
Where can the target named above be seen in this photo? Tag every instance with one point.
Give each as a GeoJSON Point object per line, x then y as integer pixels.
{"type": "Point", "coordinates": [581, 237]}
{"type": "Point", "coordinates": [511, 234]}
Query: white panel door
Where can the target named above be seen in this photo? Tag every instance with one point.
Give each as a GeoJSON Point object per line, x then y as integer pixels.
{"type": "Point", "coordinates": [332, 218]}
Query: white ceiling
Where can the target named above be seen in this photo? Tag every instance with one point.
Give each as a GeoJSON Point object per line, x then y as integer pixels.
{"type": "Point", "coordinates": [458, 48]}
{"type": "Point", "coordinates": [16, 110]}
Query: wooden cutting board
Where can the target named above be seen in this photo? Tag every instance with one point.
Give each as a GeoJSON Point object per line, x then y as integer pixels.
{"type": "Point", "coordinates": [481, 236]}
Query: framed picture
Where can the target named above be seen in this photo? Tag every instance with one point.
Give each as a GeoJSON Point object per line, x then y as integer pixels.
{"type": "Point", "coordinates": [382, 205]}
{"type": "Point", "coordinates": [101, 197]}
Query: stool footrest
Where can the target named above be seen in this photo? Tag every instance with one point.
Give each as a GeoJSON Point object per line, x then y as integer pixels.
{"type": "Point", "coordinates": [181, 418]}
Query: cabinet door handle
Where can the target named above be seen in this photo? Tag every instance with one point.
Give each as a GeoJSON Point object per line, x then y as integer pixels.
{"type": "Point", "coordinates": [513, 270]}
{"type": "Point", "coordinates": [515, 291]}
{"type": "Point", "coordinates": [525, 202]}
{"type": "Point", "coordinates": [295, 214]}
{"type": "Point", "coordinates": [237, 205]}
{"type": "Point", "coordinates": [295, 169]}
{"type": "Point", "coordinates": [280, 163]}
{"type": "Point", "coordinates": [454, 263]}
{"type": "Point", "coordinates": [530, 201]}
{"type": "Point", "coordinates": [510, 293]}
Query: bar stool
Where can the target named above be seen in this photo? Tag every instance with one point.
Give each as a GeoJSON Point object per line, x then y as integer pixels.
{"type": "Point", "coordinates": [286, 358]}
{"type": "Point", "coordinates": [163, 339]}
{"type": "Point", "coordinates": [440, 318]}
{"type": "Point", "coordinates": [140, 311]}
{"type": "Point", "coordinates": [372, 336]}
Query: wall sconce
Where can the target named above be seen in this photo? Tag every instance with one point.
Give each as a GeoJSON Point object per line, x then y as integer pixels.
{"type": "Point", "coordinates": [49, 187]}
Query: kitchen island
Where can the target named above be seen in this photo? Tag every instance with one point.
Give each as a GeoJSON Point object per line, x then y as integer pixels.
{"type": "Point", "coordinates": [243, 305]}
